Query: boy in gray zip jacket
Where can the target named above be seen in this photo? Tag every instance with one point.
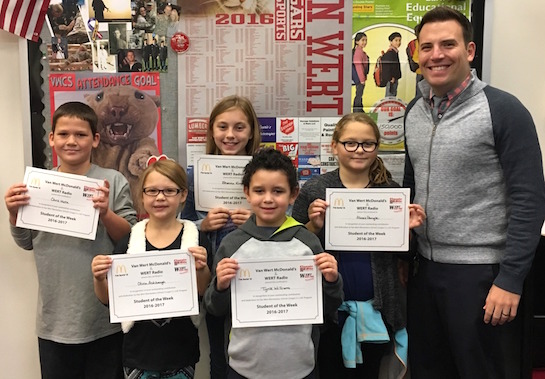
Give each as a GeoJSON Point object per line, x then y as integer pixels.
{"type": "Point", "coordinates": [270, 184]}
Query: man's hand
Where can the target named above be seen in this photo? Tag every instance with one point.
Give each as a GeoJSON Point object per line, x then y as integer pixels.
{"type": "Point", "coordinates": [500, 306]}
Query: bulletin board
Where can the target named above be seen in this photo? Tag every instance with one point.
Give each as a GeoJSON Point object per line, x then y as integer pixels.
{"type": "Point", "coordinates": [292, 59]}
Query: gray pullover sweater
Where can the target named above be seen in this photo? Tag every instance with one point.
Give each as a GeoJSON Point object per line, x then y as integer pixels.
{"type": "Point", "coordinates": [478, 174]}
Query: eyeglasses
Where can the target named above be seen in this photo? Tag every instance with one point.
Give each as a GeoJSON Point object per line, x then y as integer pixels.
{"type": "Point", "coordinates": [352, 146]}
{"type": "Point", "coordinates": [168, 192]}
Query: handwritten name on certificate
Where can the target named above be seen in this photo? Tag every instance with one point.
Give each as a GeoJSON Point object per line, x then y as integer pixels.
{"type": "Point", "coordinates": [151, 285]}
{"type": "Point", "coordinates": [370, 219]}
{"type": "Point", "coordinates": [60, 203]}
{"type": "Point", "coordinates": [283, 291]}
{"type": "Point", "coordinates": [218, 182]}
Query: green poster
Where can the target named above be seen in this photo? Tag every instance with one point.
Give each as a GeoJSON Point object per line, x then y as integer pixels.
{"type": "Point", "coordinates": [383, 29]}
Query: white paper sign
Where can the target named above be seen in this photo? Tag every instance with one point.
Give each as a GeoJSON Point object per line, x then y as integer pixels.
{"type": "Point", "coordinates": [60, 203]}
{"type": "Point", "coordinates": [152, 285]}
{"type": "Point", "coordinates": [367, 219]}
{"type": "Point", "coordinates": [272, 292]}
{"type": "Point", "coordinates": [218, 182]}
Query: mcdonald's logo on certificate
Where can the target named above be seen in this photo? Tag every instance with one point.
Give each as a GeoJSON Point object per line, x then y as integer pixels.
{"type": "Point", "coordinates": [338, 202]}
{"type": "Point", "coordinates": [218, 182]}
{"type": "Point", "coordinates": [244, 274]}
{"type": "Point", "coordinates": [367, 219]}
{"type": "Point", "coordinates": [35, 183]}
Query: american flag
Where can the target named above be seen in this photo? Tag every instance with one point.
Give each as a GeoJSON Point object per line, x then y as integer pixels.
{"type": "Point", "coordinates": [23, 17]}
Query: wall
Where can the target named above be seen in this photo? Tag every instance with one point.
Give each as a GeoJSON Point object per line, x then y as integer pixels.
{"type": "Point", "coordinates": [18, 284]}
{"type": "Point", "coordinates": [516, 55]}
{"type": "Point", "coordinates": [515, 30]}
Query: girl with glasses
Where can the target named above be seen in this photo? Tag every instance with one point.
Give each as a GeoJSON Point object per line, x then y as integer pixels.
{"type": "Point", "coordinates": [164, 347]}
{"type": "Point", "coordinates": [366, 276]}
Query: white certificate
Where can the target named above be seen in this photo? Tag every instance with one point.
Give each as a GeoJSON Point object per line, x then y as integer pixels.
{"type": "Point", "coordinates": [272, 292]}
{"type": "Point", "coordinates": [60, 203]}
{"type": "Point", "coordinates": [152, 285]}
{"type": "Point", "coordinates": [218, 182]}
{"type": "Point", "coordinates": [370, 219]}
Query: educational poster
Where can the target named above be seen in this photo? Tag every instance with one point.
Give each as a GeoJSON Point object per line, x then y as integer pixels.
{"type": "Point", "coordinates": [128, 109]}
{"type": "Point", "coordinates": [287, 57]}
{"type": "Point", "coordinates": [385, 29]}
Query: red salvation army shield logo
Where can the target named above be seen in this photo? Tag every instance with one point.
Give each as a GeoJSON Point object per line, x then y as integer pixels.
{"type": "Point", "coordinates": [287, 126]}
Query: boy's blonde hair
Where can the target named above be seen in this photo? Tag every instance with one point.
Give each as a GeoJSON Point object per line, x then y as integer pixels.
{"type": "Point", "coordinates": [378, 173]}
{"type": "Point", "coordinates": [226, 104]}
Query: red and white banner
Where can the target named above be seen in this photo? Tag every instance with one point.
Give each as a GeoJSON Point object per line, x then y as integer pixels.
{"type": "Point", "coordinates": [23, 17]}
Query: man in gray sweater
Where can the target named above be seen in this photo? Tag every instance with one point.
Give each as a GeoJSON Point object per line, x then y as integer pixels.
{"type": "Point", "coordinates": [473, 161]}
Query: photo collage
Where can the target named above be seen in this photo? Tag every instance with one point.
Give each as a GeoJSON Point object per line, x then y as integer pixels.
{"type": "Point", "coordinates": [110, 36]}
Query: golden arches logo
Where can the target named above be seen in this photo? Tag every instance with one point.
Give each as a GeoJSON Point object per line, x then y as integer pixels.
{"type": "Point", "coordinates": [338, 202]}
{"type": "Point", "coordinates": [244, 273]}
{"type": "Point", "coordinates": [120, 269]}
{"type": "Point", "coordinates": [206, 167]}
{"type": "Point", "coordinates": [35, 182]}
